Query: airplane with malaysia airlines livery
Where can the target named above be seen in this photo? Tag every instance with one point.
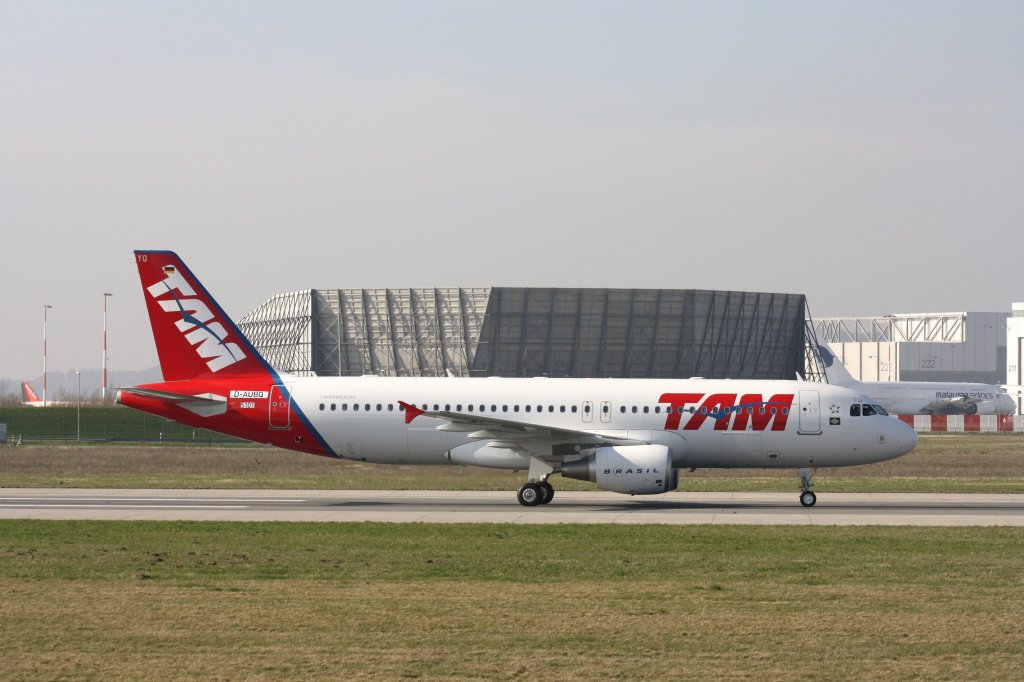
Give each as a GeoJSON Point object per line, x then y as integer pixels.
{"type": "Point", "coordinates": [921, 397]}
{"type": "Point", "coordinates": [629, 436]}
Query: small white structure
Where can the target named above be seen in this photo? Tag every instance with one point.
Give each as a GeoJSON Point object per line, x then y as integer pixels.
{"type": "Point", "coordinates": [1015, 355]}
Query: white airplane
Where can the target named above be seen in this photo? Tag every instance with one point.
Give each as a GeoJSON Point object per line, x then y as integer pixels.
{"type": "Point", "coordinates": [625, 435]}
{"type": "Point", "coordinates": [921, 397]}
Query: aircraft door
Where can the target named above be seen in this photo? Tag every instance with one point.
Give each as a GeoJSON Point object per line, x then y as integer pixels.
{"type": "Point", "coordinates": [810, 412]}
{"type": "Point", "coordinates": [280, 408]}
{"type": "Point", "coordinates": [588, 411]}
{"type": "Point", "coordinates": [606, 411]}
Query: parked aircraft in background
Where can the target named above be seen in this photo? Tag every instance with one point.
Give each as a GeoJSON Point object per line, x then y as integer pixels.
{"type": "Point", "coordinates": [30, 398]}
{"type": "Point", "coordinates": [626, 435]}
{"type": "Point", "coordinates": [921, 397]}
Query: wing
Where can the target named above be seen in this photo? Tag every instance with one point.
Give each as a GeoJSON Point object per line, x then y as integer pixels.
{"type": "Point", "coordinates": [510, 434]}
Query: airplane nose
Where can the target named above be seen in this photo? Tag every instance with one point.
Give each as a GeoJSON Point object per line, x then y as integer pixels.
{"type": "Point", "coordinates": [903, 438]}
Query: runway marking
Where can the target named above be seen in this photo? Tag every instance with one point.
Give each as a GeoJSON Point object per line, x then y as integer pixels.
{"type": "Point", "coordinates": [125, 506]}
{"type": "Point", "coordinates": [153, 499]}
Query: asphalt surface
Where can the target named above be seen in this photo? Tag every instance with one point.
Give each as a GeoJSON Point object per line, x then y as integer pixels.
{"type": "Point", "coordinates": [432, 506]}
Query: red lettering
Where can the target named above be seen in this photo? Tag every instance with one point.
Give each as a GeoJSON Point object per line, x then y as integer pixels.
{"type": "Point", "coordinates": [677, 401]}
{"type": "Point", "coordinates": [760, 414]}
{"type": "Point", "coordinates": [718, 406]}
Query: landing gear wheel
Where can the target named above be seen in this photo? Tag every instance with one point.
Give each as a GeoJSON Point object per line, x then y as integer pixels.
{"type": "Point", "coordinates": [547, 491]}
{"type": "Point", "coordinates": [807, 498]}
{"type": "Point", "coordinates": [530, 494]}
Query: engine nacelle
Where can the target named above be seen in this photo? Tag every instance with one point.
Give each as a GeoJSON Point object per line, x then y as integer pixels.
{"type": "Point", "coordinates": [985, 407]}
{"type": "Point", "coordinates": [629, 469]}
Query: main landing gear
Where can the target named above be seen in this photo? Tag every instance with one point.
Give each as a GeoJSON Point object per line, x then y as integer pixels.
{"type": "Point", "coordinates": [533, 493]}
{"type": "Point", "coordinates": [807, 498]}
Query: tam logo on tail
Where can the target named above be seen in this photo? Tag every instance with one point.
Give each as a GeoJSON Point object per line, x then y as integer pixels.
{"type": "Point", "coordinates": [207, 336]}
{"type": "Point", "coordinates": [194, 336]}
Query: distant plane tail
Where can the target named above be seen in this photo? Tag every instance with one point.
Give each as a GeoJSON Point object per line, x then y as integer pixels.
{"type": "Point", "coordinates": [835, 371]}
{"type": "Point", "coordinates": [28, 394]}
{"type": "Point", "coordinates": [194, 336]}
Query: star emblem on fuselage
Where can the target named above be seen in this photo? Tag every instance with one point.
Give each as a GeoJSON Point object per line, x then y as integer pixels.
{"type": "Point", "coordinates": [834, 409]}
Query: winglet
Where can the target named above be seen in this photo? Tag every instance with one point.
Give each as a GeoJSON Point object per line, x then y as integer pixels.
{"type": "Point", "coordinates": [411, 411]}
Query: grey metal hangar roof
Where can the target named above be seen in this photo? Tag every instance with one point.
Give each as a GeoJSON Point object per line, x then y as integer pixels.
{"type": "Point", "coordinates": [512, 331]}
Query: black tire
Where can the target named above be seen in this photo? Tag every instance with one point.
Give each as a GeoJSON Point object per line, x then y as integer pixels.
{"type": "Point", "coordinates": [529, 495]}
{"type": "Point", "coordinates": [548, 492]}
{"type": "Point", "coordinates": [807, 498]}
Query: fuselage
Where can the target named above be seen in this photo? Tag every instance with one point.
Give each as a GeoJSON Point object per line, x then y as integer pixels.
{"type": "Point", "coordinates": [704, 423]}
{"type": "Point", "coordinates": [927, 397]}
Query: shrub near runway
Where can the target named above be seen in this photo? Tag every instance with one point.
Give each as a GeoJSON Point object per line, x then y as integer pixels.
{"type": "Point", "coordinates": [110, 600]}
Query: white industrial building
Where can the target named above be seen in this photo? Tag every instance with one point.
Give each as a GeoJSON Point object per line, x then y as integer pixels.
{"type": "Point", "coordinates": [960, 346]}
{"type": "Point", "coordinates": [1015, 355]}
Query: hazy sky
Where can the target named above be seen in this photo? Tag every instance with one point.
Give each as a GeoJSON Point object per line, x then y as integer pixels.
{"type": "Point", "coordinates": [868, 154]}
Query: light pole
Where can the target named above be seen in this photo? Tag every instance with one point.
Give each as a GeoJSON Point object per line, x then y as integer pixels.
{"type": "Point", "coordinates": [45, 308]}
{"type": "Point", "coordinates": [104, 390]}
{"type": "Point", "coordinates": [78, 436]}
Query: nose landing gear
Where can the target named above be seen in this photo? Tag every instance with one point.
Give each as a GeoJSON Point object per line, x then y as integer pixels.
{"type": "Point", "coordinates": [807, 497]}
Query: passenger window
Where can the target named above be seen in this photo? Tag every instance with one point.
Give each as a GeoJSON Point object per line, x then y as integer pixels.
{"type": "Point", "coordinates": [447, 407]}
{"type": "Point", "coordinates": [604, 409]}
{"type": "Point", "coordinates": [391, 407]}
{"type": "Point", "coordinates": [561, 408]}
{"type": "Point", "coordinates": [469, 407]}
{"type": "Point", "coordinates": [504, 408]}
{"type": "Point", "coordinates": [378, 407]}
{"type": "Point", "coordinates": [515, 408]}
{"type": "Point", "coordinates": [355, 406]}
{"type": "Point", "coordinates": [321, 407]}
{"type": "Point", "coordinates": [622, 409]}
{"type": "Point", "coordinates": [657, 409]}
{"type": "Point", "coordinates": [494, 408]}
{"type": "Point", "coordinates": [551, 408]}
{"type": "Point", "coordinates": [401, 408]}
{"type": "Point", "coordinates": [528, 408]}
{"type": "Point", "coordinates": [367, 407]}
{"type": "Point", "coordinates": [785, 410]}
{"type": "Point", "coordinates": [436, 407]}
{"type": "Point", "coordinates": [646, 409]}
{"type": "Point", "coordinates": [773, 410]}
{"type": "Point", "coordinates": [854, 410]}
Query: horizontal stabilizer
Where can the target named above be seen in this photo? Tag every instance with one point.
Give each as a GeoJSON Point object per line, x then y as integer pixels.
{"type": "Point", "coordinates": [204, 404]}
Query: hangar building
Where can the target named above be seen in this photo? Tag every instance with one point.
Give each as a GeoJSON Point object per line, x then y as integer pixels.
{"type": "Point", "coordinates": [958, 346]}
{"type": "Point", "coordinates": [504, 331]}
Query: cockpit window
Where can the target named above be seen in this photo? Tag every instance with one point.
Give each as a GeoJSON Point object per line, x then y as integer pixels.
{"type": "Point", "coordinates": [868, 411]}
{"type": "Point", "coordinates": [855, 410]}
{"type": "Point", "coordinates": [880, 410]}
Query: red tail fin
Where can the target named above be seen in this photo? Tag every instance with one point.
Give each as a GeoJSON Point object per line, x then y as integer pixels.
{"type": "Point", "coordinates": [28, 395]}
{"type": "Point", "coordinates": [194, 337]}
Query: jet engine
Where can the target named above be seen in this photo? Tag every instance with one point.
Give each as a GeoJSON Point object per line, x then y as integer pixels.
{"type": "Point", "coordinates": [629, 469]}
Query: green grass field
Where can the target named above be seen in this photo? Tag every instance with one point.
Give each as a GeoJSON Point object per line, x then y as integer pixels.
{"type": "Point", "coordinates": [991, 463]}
{"type": "Point", "coordinates": [125, 601]}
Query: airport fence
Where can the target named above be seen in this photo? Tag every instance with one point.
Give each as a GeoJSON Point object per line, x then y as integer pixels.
{"type": "Point", "coordinates": [101, 424]}
{"type": "Point", "coordinates": [971, 423]}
